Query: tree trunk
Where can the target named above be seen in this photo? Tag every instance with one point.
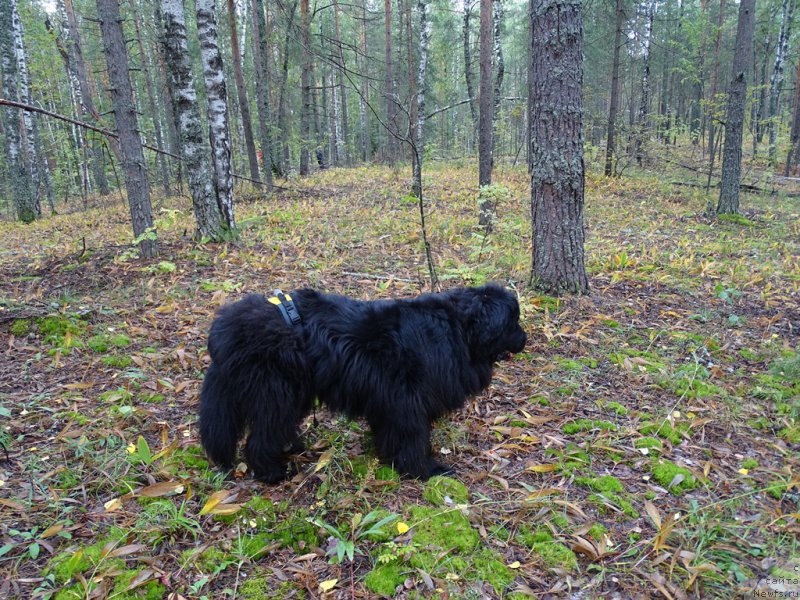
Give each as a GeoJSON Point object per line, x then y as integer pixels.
{"type": "Point", "coordinates": [130, 144]}
{"type": "Point", "coordinates": [18, 178]}
{"type": "Point", "coordinates": [473, 105]}
{"type": "Point", "coordinates": [760, 105]}
{"type": "Point", "coordinates": [30, 139]}
{"type": "Point", "coordinates": [794, 138]}
{"type": "Point", "coordinates": [151, 98]}
{"type": "Point", "coordinates": [88, 110]}
{"type": "Point", "coordinates": [260, 50]}
{"type": "Point", "coordinates": [644, 104]}
{"type": "Point", "coordinates": [712, 117]}
{"type": "Point", "coordinates": [366, 129]}
{"type": "Point", "coordinates": [217, 100]}
{"type": "Point", "coordinates": [305, 92]}
{"type": "Point", "coordinates": [389, 91]}
{"type": "Point", "coordinates": [613, 104]}
{"type": "Point", "coordinates": [418, 143]}
{"type": "Point", "coordinates": [500, 70]}
{"type": "Point", "coordinates": [344, 139]}
{"type": "Point", "coordinates": [734, 121]}
{"type": "Point", "coordinates": [486, 104]}
{"type": "Point", "coordinates": [776, 81]}
{"type": "Point", "coordinates": [241, 93]}
{"type": "Point", "coordinates": [283, 128]}
{"type": "Point", "coordinates": [557, 170]}
{"type": "Point", "coordinates": [194, 152]}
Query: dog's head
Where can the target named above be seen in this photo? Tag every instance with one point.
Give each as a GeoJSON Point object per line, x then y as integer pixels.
{"type": "Point", "coordinates": [490, 314]}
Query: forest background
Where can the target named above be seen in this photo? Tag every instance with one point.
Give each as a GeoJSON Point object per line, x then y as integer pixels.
{"type": "Point", "coordinates": [646, 441]}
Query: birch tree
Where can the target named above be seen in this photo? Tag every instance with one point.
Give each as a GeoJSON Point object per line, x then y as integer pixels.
{"type": "Point", "coordinates": [555, 94]}
{"type": "Point", "coordinates": [486, 104]}
{"type": "Point", "coordinates": [24, 199]}
{"type": "Point", "coordinates": [217, 99]}
{"type": "Point", "coordinates": [734, 121]}
{"type": "Point", "coordinates": [130, 144]}
{"type": "Point", "coordinates": [776, 81]}
{"type": "Point", "coordinates": [418, 141]}
{"type": "Point", "coordinates": [208, 219]}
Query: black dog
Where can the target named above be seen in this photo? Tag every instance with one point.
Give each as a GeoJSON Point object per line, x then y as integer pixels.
{"type": "Point", "coordinates": [402, 364]}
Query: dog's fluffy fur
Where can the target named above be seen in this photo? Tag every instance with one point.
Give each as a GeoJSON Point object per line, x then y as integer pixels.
{"type": "Point", "coordinates": [401, 364]}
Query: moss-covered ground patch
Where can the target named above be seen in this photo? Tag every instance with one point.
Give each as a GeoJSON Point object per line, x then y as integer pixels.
{"type": "Point", "coordinates": [685, 348]}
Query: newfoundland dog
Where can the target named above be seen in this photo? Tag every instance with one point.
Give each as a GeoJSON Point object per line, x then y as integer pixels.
{"type": "Point", "coordinates": [401, 364]}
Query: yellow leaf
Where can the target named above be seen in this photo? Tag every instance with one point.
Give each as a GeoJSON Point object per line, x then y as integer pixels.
{"type": "Point", "coordinates": [113, 505]}
{"type": "Point", "coordinates": [744, 471]}
{"type": "Point", "coordinates": [541, 468]}
{"type": "Point", "coordinates": [327, 586]}
{"type": "Point", "coordinates": [51, 531]}
{"type": "Point", "coordinates": [131, 448]}
{"type": "Point", "coordinates": [402, 528]}
{"type": "Point", "coordinates": [514, 565]}
{"type": "Point", "coordinates": [323, 461]}
{"type": "Point", "coordinates": [214, 499]}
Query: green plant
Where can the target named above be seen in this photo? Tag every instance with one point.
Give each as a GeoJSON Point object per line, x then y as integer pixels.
{"type": "Point", "coordinates": [361, 527]}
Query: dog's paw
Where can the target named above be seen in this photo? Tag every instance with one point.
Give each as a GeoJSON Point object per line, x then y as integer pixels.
{"type": "Point", "coordinates": [276, 474]}
{"type": "Point", "coordinates": [440, 469]}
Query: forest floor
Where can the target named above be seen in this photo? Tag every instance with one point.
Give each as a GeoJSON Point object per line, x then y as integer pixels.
{"type": "Point", "coordinates": [645, 444]}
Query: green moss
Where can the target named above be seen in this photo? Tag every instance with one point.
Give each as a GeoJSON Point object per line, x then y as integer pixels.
{"type": "Point", "coordinates": [152, 590]}
{"type": "Point", "coordinates": [21, 327]}
{"type": "Point", "coordinates": [560, 520]}
{"type": "Point", "coordinates": [489, 567]}
{"type": "Point", "coordinates": [587, 425]}
{"type": "Point", "coordinates": [648, 442]}
{"type": "Point", "coordinates": [120, 362]}
{"type": "Point", "coordinates": [605, 484]}
{"type": "Point", "coordinates": [569, 364]}
{"type": "Point", "coordinates": [207, 562]}
{"type": "Point", "coordinates": [553, 554]}
{"type": "Point", "coordinates": [388, 530]}
{"type": "Point", "coordinates": [618, 408]}
{"type": "Point", "coordinates": [71, 562]}
{"type": "Point", "coordinates": [601, 500]}
{"type": "Point", "coordinates": [735, 219]}
{"type": "Point", "coordinates": [384, 579]}
{"type": "Point", "coordinates": [776, 489]}
{"type": "Point", "coordinates": [120, 395]}
{"type": "Point", "coordinates": [279, 522]}
{"type": "Point", "coordinates": [665, 472]}
{"type": "Point", "coordinates": [439, 488]}
{"type": "Point", "coordinates": [597, 531]}
{"type": "Point", "coordinates": [260, 587]}
{"type": "Point", "coordinates": [442, 528]}
{"type": "Point", "coordinates": [749, 463]}
{"type": "Point", "coordinates": [666, 431]}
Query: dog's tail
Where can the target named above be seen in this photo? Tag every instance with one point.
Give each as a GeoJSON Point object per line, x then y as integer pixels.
{"type": "Point", "coordinates": [221, 425]}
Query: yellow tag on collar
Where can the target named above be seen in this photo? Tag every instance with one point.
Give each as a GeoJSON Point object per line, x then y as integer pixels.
{"type": "Point", "coordinates": [277, 301]}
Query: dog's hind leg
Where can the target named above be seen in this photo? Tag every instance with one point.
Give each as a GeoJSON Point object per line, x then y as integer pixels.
{"type": "Point", "coordinates": [276, 408]}
{"type": "Point", "coordinates": [221, 422]}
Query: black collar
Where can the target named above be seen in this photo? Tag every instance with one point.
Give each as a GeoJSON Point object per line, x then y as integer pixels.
{"type": "Point", "coordinates": [287, 307]}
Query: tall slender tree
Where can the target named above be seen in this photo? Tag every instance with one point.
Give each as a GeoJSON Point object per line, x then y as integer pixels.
{"type": "Point", "coordinates": [390, 92]}
{"type": "Point", "coordinates": [486, 103]}
{"type": "Point", "coordinates": [260, 62]}
{"type": "Point", "coordinates": [130, 143]}
{"type": "Point", "coordinates": [305, 84]}
{"type": "Point", "coordinates": [217, 100]}
{"type": "Point", "coordinates": [555, 92]}
{"type": "Point", "coordinates": [24, 199]}
{"type": "Point", "coordinates": [241, 94]}
{"type": "Point", "coordinates": [734, 121]}
{"type": "Point", "coordinates": [208, 219]}
{"type": "Point", "coordinates": [776, 81]}
{"type": "Point", "coordinates": [613, 103]}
